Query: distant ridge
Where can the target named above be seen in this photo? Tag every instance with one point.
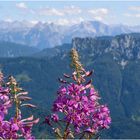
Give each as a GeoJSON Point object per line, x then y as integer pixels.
{"type": "Point", "coordinates": [48, 35]}
{"type": "Point", "coordinates": [8, 49]}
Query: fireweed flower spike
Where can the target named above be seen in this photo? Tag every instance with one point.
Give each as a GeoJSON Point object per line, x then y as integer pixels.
{"type": "Point", "coordinates": [1, 78]}
{"type": "Point", "coordinates": [15, 127]}
{"type": "Point", "coordinates": [77, 112]}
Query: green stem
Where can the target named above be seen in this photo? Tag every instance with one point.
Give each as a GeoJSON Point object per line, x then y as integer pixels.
{"type": "Point", "coordinates": [65, 131]}
{"type": "Point", "coordinates": [82, 136]}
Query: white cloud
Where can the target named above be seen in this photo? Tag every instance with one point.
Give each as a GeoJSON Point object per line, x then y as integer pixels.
{"type": "Point", "coordinates": [137, 15]}
{"type": "Point", "coordinates": [132, 15]}
{"type": "Point", "coordinates": [134, 12]}
{"type": "Point", "coordinates": [21, 5]}
{"type": "Point", "coordinates": [31, 11]}
{"type": "Point", "coordinates": [135, 8]}
{"type": "Point", "coordinates": [49, 12]}
{"type": "Point", "coordinates": [34, 22]}
{"type": "Point", "coordinates": [72, 10]}
{"type": "Point", "coordinates": [8, 20]}
{"type": "Point", "coordinates": [127, 14]}
{"type": "Point", "coordinates": [69, 21]}
{"type": "Point", "coordinates": [98, 14]}
{"type": "Point", "coordinates": [100, 11]}
{"type": "Point", "coordinates": [98, 18]}
{"type": "Point", "coordinates": [63, 22]}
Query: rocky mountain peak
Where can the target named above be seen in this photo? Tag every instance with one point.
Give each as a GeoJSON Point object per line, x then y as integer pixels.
{"type": "Point", "coordinates": [123, 48]}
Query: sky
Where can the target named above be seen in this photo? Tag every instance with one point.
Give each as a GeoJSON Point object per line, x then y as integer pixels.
{"type": "Point", "coordinates": [71, 12]}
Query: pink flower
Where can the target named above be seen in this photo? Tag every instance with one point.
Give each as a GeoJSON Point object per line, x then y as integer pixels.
{"type": "Point", "coordinates": [62, 91]}
{"type": "Point", "coordinates": [90, 130]}
{"type": "Point", "coordinates": [77, 105]}
{"type": "Point", "coordinates": [10, 129]}
{"type": "Point", "coordinates": [81, 110]}
{"type": "Point", "coordinates": [55, 117]}
{"type": "Point", "coordinates": [14, 127]}
{"type": "Point", "coordinates": [47, 120]}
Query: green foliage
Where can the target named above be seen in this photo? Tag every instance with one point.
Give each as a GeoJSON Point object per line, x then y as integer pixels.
{"type": "Point", "coordinates": [23, 77]}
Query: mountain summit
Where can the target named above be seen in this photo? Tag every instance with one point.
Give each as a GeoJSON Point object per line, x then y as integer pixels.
{"type": "Point", "coordinates": [48, 35]}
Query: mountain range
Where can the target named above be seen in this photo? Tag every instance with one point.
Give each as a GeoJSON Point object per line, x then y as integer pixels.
{"type": "Point", "coordinates": [123, 48]}
{"type": "Point", "coordinates": [48, 35]}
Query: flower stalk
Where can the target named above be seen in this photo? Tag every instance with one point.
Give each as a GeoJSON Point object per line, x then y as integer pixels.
{"type": "Point", "coordinates": [14, 90]}
{"type": "Point", "coordinates": [15, 127]}
{"type": "Point", "coordinates": [77, 66]}
{"type": "Point", "coordinates": [78, 102]}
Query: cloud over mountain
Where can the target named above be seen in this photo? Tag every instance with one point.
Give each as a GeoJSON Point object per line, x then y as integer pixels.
{"type": "Point", "coordinates": [21, 5]}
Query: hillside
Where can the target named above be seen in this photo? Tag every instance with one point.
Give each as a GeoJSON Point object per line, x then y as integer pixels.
{"type": "Point", "coordinates": [8, 49]}
{"type": "Point", "coordinates": [118, 84]}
